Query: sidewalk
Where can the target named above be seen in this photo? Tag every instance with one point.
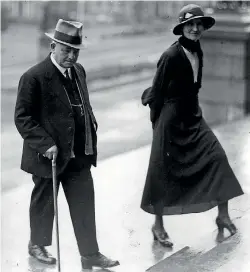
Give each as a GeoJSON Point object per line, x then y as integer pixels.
{"type": "Point", "coordinates": [123, 228]}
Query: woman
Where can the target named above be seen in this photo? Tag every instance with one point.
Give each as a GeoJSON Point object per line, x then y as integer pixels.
{"type": "Point", "coordinates": [188, 169]}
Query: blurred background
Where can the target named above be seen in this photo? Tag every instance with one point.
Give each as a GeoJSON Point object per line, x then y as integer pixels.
{"type": "Point", "coordinates": [124, 41]}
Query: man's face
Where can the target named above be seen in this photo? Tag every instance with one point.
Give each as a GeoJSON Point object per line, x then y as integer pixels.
{"type": "Point", "coordinates": [193, 29]}
{"type": "Point", "coordinates": [64, 55]}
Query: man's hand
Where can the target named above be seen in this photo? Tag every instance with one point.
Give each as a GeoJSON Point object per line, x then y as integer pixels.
{"type": "Point", "coordinates": [51, 153]}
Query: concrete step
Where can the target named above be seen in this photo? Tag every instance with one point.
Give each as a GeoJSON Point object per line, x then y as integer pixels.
{"type": "Point", "coordinates": [214, 252]}
{"type": "Point", "coordinates": [180, 259]}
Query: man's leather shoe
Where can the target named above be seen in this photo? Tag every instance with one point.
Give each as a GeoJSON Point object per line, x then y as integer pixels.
{"type": "Point", "coordinates": [97, 260]}
{"type": "Point", "coordinates": [41, 254]}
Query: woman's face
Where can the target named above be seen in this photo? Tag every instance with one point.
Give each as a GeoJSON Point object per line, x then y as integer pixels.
{"type": "Point", "coordinates": [193, 29]}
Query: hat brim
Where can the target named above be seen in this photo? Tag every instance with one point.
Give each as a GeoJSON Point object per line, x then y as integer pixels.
{"type": "Point", "coordinates": [207, 21]}
{"type": "Point", "coordinates": [76, 46]}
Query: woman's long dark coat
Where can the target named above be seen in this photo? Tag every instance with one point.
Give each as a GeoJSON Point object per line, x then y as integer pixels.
{"type": "Point", "coordinates": [188, 169]}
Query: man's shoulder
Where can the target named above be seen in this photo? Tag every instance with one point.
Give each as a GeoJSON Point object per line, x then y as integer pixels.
{"type": "Point", "coordinates": [80, 68]}
{"type": "Point", "coordinates": [37, 69]}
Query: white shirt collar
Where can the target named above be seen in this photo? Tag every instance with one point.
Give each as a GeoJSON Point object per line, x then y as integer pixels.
{"type": "Point", "coordinates": [60, 68]}
{"type": "Point", "coordinates": [193, 58]}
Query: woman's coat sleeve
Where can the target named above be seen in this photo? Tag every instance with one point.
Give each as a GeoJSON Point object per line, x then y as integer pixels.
{"type": "Point", "coordinates": [159, 87]}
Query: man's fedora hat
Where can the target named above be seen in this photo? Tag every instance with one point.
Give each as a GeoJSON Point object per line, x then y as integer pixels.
{"type": "Point", "coordinates": [191, 12]}
{"type": "Point", "coordinates": [68, 33]}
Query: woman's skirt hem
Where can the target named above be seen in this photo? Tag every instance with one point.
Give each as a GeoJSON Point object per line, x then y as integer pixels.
{"type": "Point", "coordinates": [192, 208]}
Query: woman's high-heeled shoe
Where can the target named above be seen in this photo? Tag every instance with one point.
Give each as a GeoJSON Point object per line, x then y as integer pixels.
{"type": "Point", "coordinates": [227, 225]}
{"type": "Point", "coordinates": [162, 238]}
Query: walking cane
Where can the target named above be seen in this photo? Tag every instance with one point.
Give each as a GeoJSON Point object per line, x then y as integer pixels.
{"type": "Point", "coordinates": [56, 213]}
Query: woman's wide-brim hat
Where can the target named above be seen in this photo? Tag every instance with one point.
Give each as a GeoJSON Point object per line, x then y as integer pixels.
{"type": "Point", "coordinates": [191, 12]}
{"type": "Point", "coordinates": [68, 33]}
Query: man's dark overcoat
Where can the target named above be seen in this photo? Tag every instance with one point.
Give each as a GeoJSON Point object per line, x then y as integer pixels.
{"type": "Point", "coordinates": [44, 117]}
{"type": "Point", "coordinates": [188, 169]}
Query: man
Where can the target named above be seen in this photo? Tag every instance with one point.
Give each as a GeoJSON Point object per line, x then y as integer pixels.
{"type": "Point", "coordinates": [54, 116]}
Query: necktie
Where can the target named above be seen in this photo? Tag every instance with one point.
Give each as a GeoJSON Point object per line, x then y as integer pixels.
{"type": "Point", "coordinates": [67, 74]}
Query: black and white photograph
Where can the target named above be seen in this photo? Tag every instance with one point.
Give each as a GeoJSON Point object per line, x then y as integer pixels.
{"type": "Point", "coordinates": [125, 136]}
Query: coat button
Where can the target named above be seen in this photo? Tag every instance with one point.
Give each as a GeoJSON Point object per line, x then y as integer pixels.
{"type": "Point", "coordinates": [70, 114]}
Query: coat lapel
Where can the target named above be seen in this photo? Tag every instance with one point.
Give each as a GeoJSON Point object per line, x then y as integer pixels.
{"type": "Point", "coordinates": [81, 81]}
{"type": "Point", "coordinates": [186, 63]}
{"type": "Point", "coordinates": [80, 78]}
{"type": "Point", "coordinates": [54, 84]}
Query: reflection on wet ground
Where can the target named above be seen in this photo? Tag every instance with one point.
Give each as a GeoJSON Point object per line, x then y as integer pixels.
{"type": "Point", "coordinates": [158, 251]}
{"type": "Point", "coordinates": [35, 266]}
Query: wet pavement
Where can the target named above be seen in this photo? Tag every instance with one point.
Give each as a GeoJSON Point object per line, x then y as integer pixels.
{"type": "Point", "coordinates": [123, 229]}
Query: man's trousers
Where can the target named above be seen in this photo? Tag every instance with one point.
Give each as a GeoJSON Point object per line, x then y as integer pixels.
{"type": "Point", "coordinates": [79, 192]}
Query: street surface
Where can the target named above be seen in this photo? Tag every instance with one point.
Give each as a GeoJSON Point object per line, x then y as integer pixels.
{"type": "Point", "coordinates": [123, 229]}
